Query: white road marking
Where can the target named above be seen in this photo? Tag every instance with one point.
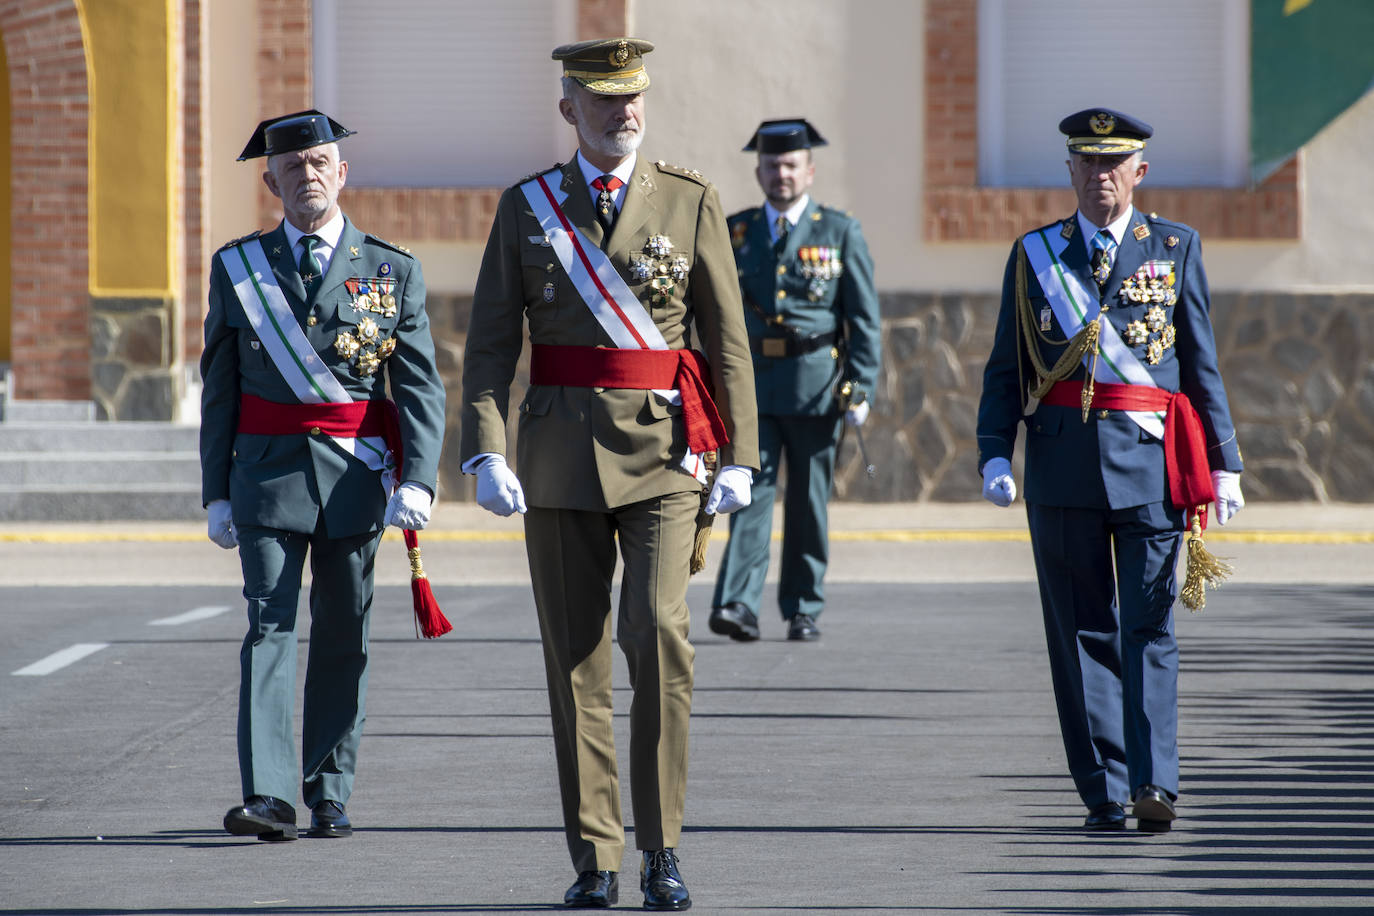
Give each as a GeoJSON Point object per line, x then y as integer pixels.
{"type": "Point", "coordinates": [62, 659]}
{"type": "Point", "coordinates": [200, 613]}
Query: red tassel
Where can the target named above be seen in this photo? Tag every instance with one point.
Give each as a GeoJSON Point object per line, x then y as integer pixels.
{"type": "Point", "coordinates": [429, 620]}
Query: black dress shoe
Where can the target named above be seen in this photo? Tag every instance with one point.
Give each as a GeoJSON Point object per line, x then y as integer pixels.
{"type": "Point", "coordinates": [597, 889]}
{"type": "Point", "coordinates": [1110, 816]}
{"type": "Point", "coordinates": [803, 626]}
{"type": "Point", "coordinates": [264, 817]}
{"type": "Point", "coordinates": [735, 621]}
{"type": "Point", "coordinates": [1153, 809]}
{"type": "Point", "coordinates": [662, 885]}
{"type": "Point", "coordinates": [328, 819]}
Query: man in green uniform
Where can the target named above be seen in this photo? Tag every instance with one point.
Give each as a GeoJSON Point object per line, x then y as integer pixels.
{"type": "Point", "coordinates": [812, 313]}
{"type": "Point", "coordinates": [617, 262]}
{"type": "Point", "coordinates": [308, 325]}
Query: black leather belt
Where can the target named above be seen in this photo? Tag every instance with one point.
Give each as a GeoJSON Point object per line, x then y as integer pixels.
{"type": "Point", "coordinates": [791, 345]}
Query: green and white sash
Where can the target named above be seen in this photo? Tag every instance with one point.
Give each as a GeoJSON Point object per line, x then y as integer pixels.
{"type": "Point", "coordinates": [1071, 301]}
{"type": "Point", "coordinates": [291, 353]}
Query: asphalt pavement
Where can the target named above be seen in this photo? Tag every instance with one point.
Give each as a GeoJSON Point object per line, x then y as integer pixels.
{"type": "Point", "coordinates": [909, 761]}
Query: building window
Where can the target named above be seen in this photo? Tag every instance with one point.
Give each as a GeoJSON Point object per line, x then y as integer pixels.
{"type": "Point", "coordinates": [1180, 65]}
{"type": "Point", "coordinates": [443, 93]}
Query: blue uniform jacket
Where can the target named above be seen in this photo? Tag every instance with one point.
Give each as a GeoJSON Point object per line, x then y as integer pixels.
{"type": "Point", "coordinates": [286, 482]}
{"type": "Point", "coordinates": [777, 286]}
{"type": "Point", "coordinates": [1109, 462]}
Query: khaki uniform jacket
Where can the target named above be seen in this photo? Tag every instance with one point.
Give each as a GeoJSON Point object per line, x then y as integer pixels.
{"type": "Point", "coordinates": [596, 449]}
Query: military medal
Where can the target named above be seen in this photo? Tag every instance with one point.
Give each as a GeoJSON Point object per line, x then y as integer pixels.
{"type": "Point", "coordinates": [1154, 352]}
{"type": "Point", "coordinates": [1154, 319]}
{"type": "Point", "coordinates": [659, 246]}
{"type": "Point", "coordinates": [346, 345]}
{"type": "Point", "coordinates": [678, 269]}
{"type": "Point", "coordinates": [385, 269]}
{"type": "Point", "coordinates": [368, 363]}
{"type": "Point", "coordinates": [663, 290]}
{"type": "Point", "coordinates": [1045, 315]}
{"type": "Point", "coordinates": [641, 268]}
{"type": "Point", "coordinates": [1136, 333]}
{"type": "Point", "coordinates": [548, 292]}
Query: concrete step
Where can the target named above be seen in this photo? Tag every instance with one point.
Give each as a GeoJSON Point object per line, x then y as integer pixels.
{"type": "Point", "coordinates": [78, 469]}
{"type": "Point", "coordinates": [74, 470]}
{"type": "Point", "coordinates": [68, 437]}
{"type": "Point", "coordinates": [47, 411]}
{"type": "Point", "coordinates": [164, 502]}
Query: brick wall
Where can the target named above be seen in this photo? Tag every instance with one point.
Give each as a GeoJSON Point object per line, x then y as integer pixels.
{"type": "Point", "coordinates": [194, 148]}
{"type": "Point", "coordinates": [49, 99]}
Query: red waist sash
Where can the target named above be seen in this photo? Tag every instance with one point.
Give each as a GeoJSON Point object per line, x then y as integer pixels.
{"type": "Point", "coordinates": [1185, 443]}
{"type": "Point", "coordinates": [605, 367]}
{"type": "Point", "coordinates": [261, 417]}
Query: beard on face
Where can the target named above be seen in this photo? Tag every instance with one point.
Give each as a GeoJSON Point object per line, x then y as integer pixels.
{"type": "Point", "coordinates": [612, 144]}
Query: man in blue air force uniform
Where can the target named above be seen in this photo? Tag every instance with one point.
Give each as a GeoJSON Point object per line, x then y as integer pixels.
{"type": "Point", "coordinates": [1104, 349]}
{"type": "Point", "coordinates": [811, 310]}
{"type": "Point", "coordinates": [307, 326]}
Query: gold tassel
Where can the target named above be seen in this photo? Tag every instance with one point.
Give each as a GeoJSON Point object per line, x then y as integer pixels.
{"type": "Point", "coordinates": [1203, 569]}
{"type": "Point", "coordinates": [702, 539]}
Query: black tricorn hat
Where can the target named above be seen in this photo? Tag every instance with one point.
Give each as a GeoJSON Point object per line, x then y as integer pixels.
{"type": "Point", "coordinates": [783, 136]}
{"type": "Point", "coordinates": [292, 132]}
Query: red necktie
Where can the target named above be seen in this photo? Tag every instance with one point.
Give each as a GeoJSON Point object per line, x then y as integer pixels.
{"type": "Point", "coordinates": [605, 204]}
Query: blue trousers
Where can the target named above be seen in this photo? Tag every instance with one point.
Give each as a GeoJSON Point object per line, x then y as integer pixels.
{"type": "Point", "coordinates": [1108, 581]}
{"type": "Point", "coordinates": [336, 666]}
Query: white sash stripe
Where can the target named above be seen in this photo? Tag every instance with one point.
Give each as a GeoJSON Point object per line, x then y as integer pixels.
{"type": "Point", "coordinates": [1070, 298]}
{"type": "Point", "coordinates": [309, 379]}
{"type": "Point", "coordinates": [611, 301]}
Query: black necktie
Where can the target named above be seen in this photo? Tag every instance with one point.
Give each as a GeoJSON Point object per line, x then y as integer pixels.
{"type": "Point", "coordinates": [605, 203]}
{"type": "Point", "coordinates": [310, 266]}
{"type": "Point", "coordinates": [783, 227]}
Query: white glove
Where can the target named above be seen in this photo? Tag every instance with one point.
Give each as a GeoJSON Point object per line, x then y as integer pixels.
{"type": "Point", "coordinates": [409, 507]}
{"type": "Point", "coordinates": [732, 490]}
{"type": "Point", "coordinates": [498, 489]}
{"type": "Point", "coordinates": [857, 414]}
{"type": "Point", "coordinates": [221, 528]}
{"type": "Point", "coordinates": [1229, 500]}
{"type": "Point", "coordinates": [998, 486]}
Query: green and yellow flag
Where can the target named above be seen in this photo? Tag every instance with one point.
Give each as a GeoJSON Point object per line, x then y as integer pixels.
{"type": "Point", "coordinates": [1310, 60]}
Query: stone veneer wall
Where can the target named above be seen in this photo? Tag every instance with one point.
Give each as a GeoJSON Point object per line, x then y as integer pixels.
{"type": "Point", "coordinates": [131, 358]}
{"type": "Point", "coordinates": [1299, 372]}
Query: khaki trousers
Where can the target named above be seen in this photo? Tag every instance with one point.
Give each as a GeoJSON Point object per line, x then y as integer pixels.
{"type": "Point", "coordinates": [572, 559]}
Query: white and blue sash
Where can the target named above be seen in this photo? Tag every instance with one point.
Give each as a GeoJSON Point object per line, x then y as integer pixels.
{"type": "Point", "coordinates": [1070, 299]}
{"type": "Point", "coordinates": [613, 304]}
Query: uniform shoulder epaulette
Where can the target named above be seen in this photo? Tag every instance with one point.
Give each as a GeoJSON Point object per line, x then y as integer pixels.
{"type": "Point", "coordinates": [682, 172]}
{"type": "Point", "coordinates": [536, 173]}
{"type": "Point", "coordinates": [1065, 228]}
{"type": "Point", "coordinates": [1159, 220]}
{"type": "Point", "coordinates": [241, 239]}
{"type": "Point", "coordinates": [385, 244]}
{"type": "Point", "coordinates": [833, 211]}
{"type": "Point", "coordinates": [746, 214]}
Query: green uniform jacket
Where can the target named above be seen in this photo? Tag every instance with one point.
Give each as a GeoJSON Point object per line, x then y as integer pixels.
{"type": "Point", "coordinates": [777, 288]}
{"type": "Point", "coordinates": [598, 449]}
{"type": "Point", "coordinates": [286, 482]}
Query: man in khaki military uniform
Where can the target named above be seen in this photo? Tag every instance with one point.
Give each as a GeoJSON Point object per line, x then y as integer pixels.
{"type": "Point", "coordinates": [619, 264]}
